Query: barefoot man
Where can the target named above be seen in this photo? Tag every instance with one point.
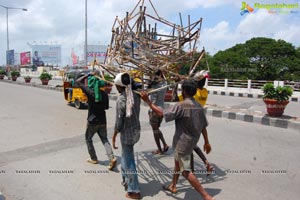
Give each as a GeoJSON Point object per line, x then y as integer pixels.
{"type": "Point", "coordinates": [190, 120]}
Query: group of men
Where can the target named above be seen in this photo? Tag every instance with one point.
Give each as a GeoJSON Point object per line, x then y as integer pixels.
{"type": "Point", "coordinates": [189, 118]}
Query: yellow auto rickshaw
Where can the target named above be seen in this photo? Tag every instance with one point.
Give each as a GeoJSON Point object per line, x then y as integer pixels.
{"type": "Point", "coordinates": [72, 92]}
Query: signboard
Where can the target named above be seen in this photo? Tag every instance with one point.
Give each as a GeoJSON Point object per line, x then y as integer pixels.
{"type": "Point", "coordinates": [97, 51]}
{"type": "Point", "coordinates": [10, 57]}
{"type": "Point", "coordinates": [46, 55]}
{"type": "Point", "coordinates": [25, 58]}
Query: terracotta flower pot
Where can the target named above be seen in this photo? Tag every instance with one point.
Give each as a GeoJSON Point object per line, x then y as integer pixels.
{"type": "Point", "coordinates": [275, 108]}
{"type": "Point", "coordinates": [27, 80]}
{"type": "Point", "coordinates": [45, 81]}
{"type": "Point", "coordinates": [14, 78]}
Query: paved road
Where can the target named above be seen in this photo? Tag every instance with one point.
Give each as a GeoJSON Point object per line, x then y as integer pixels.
{"type": "Point", "coordinates": [42, 155]}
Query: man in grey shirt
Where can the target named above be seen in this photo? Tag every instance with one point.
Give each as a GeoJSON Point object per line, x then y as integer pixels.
{"type": "Point", "coordinates": [128, 124]}
{"type": "Point", "coordinates": [190, 120]}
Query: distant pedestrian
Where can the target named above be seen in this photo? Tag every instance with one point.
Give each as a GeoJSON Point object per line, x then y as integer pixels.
{"type": "Point", "coordinates": [96, 120]}
{"type": "Point", "coordinates": [157, 98]}
{"type": "Point", "coordinates": [190, 120]}
{"type": "Point", "coordinates": [128, 125]}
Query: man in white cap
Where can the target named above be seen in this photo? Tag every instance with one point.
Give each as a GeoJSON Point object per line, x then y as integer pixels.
{"type": "Point", "coordinates": [128, 124]}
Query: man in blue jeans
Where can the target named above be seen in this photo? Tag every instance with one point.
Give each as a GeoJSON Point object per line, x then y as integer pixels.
{"type": "Point", "coordinates": [128, 124]}
{"type": "Point", "coordinates": [96, 122]}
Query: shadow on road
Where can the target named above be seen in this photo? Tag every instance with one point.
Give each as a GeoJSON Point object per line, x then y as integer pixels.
{"type": "Point", "coordinates": [154, 171]}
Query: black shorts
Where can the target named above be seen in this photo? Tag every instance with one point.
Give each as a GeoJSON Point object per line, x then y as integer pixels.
{"type": "Point", "coordinates": [154, 119]}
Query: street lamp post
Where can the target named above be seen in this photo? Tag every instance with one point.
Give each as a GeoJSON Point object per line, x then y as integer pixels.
{"type": "Point", "coordinates": [85, 40]}
{"type": "Point", "coordinates": [7, 35]}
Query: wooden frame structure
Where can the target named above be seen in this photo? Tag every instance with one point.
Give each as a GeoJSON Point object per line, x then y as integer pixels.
{"type": "Point", "coordinates": [139, 44]}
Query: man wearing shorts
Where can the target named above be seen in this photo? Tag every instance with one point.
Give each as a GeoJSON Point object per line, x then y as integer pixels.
{"type": "Point", "coordinates": [157, 98]}
{"type": "Point", "coordinates": [190, 120]}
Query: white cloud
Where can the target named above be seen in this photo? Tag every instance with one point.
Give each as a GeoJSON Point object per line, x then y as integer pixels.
{"type": "Point", "coordinates": [219, 31]}
{"type": "Point", "coordinates": [190, 4]}
{"type": "Point", "coordinates": [218, 37]}
{"type": "Point", "coordinates": [258, 24]}
{"type": "Point", "coordinates": [290, 34]}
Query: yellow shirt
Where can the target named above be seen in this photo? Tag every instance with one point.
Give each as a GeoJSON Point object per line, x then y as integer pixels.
{"type": "Point", "coordinates": [200, 96]}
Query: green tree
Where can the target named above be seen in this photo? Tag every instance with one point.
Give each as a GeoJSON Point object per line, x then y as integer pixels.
{"type": "Point", "coordinates": [272, 59]}
{"type": "Point", "coordinates": [231, 63]}
{"type": "Point", "coordinates": [260, 59]}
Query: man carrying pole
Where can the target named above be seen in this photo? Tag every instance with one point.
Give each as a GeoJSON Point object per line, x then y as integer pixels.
{"type": "Point", "coordinates": [190, 120]}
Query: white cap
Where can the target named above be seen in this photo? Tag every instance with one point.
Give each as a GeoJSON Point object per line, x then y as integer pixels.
{"type": "Point", "coordinates": [128, 91]}
{"type": "Point", "coordinates": [118, 80]}
{"type": "Point", "coordinates": [200, 75]}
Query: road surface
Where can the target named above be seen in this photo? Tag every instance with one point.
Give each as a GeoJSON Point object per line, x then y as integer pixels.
{"type": "Point", "coordinates": [43, 153]}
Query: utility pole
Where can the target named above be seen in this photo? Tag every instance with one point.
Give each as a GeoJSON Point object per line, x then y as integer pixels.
{"type": "Point", "coordinates": [85, 43]}
{"type": "Point", "coordinates": [7, 35]}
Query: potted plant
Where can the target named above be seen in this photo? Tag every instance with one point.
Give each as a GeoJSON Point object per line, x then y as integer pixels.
{"type": "Point", "coordinates": [45, 77]}
{"type": "Point", "coordinates": [2, 74]}
{"type": "Point", "coordinates": [27, 79]}
{"type": "Point", "coordinates": [276, 98]}
{"type": "Point", "coordinates": [14, 75]}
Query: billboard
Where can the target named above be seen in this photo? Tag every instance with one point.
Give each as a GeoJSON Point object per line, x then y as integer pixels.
{"type": "Point", "coordinates": [98, 51]}
{"type": "Point", "coordinates": [46, 55]}
{"type": "Point", "coordinates": [10, 57]}
{"type": "Point", "coordinates": [25, 58]}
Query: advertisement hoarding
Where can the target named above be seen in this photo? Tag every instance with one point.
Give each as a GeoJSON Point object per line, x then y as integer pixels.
{"type": "Point", "coordinates": [46, 55]}
{"type": "Point", "coordinates": [25, 58]}
{"type": "Point", "coordinates": [10, 57]}
{"type": "Point", "coordinates": [97, 51]}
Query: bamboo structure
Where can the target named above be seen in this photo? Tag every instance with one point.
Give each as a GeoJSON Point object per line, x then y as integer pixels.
{"type": "Point", "coordinates": [140, 43]}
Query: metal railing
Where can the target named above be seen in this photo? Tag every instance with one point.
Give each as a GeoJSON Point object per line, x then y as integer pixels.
{"type": "Point", "coordinates": [250, 84]}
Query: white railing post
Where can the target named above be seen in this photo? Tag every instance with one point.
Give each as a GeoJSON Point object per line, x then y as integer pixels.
{"type": "Point", "coordinates": [249, 85]}
{"type": "Point", "coordinates": [276, 83]}
{"type": "Point", "coordinates": [226, 84]}
{"type": "Point", "coordinates": [281, 83]}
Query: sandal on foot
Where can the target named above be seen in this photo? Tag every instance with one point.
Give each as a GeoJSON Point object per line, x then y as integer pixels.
{"type": "Point", "coordinates": [167, 188]}
{"type": "Point", "coordinates": [92, 161]}
{"type": "Point", "coordinates": [133, 195]}
{"type": "Point", "coordinates": [166, 148]}
{"type": "Point", "coordinates": [112, 164]}
{"type": "Point", "coordinates": [157, 152]}
{"type": "Point", "coordinates": [209, 169]}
